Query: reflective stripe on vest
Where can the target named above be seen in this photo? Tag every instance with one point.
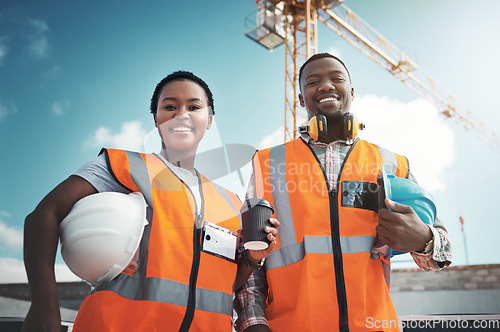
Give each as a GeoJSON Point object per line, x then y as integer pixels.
{"type": "Point", "coordinates": [172, 292]}
{"type": "Point", "coordinates": [390, 161]}
{"type": "Point", "coordinates": [140, 175]}
{"type": "Point", "coordinates": [281, 199]}
{"type": "Point", "coordinates": [222, 192]}
{"type": "Point", "coordinates": [317, 245]}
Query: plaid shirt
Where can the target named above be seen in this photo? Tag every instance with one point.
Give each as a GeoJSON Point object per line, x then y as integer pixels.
{"type": "Point", "coordinates": [250, 299]}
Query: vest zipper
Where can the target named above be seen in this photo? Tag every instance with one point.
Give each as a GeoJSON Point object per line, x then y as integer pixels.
{"type": "Point", "coordinates": [191, 304]}
{"type": "Point", "coordinates": [336, 248]}
{"type": "Point", "coordinates": [338, 262]}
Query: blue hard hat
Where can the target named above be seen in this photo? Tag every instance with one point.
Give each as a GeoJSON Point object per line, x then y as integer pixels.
{"type": "Point", "coordinates": [407, 192]}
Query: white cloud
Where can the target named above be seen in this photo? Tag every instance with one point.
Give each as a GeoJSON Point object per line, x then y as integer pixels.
{"type": "Point", "coordinates": [272, 139]}
{"type": "Point", "coordinates": [13, 272]}
{"type": "Point", "coordinates": [17, 26]}
{"type": "Point", "coordinates": [3, 49]}
{"type": "Point", "coordinates": [335, 51]}
{"type": "Point", "coordinates": [59, 107]}
{"type": "Point", "coordinates": [131, 137]}
{"type": "Point", "coordinates": [414, 129]}
{"type": "Point", "coordinates": [277, 136]}
{"type": "Point", "coordinates": [12, 237]}
{"type": "Point", "coordinates": [5, 214]}
{"type": "Point", "coordinates": [6, 108]}
{"type": "Point", "coordinates": [39, 42]}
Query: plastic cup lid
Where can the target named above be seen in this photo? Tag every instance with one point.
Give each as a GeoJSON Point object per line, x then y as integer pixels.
{"type": "Point", "coordinates": [250, 203]}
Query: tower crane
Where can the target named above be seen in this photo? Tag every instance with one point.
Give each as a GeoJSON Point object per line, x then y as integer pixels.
{"type": "Point", "coordinates": [295, 24]}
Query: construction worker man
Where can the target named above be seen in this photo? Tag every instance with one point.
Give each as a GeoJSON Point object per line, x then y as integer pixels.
{"type": "Point", "coordinates": [324, 274]}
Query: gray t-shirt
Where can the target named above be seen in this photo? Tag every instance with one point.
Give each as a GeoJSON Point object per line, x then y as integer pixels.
{"type": "Point", "coordinates": [96, 172]}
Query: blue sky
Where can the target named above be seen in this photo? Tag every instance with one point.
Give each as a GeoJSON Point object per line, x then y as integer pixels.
{"type": "Point", "coordinates": [77, 76]}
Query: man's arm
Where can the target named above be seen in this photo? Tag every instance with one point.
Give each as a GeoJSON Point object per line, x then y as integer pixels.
{"type": "Point", "coordinates": [41, 237]}
{"type": "Point", "coordinates": [440, 255]}
{"type": "Point", "coordinates": [402, 230]}
{"type": "Point", "coordinates": [250, 299]}
{"type": "Point", "coordinates": [250, 303]}
{"type": "Point", "coordinates": [255, 256]}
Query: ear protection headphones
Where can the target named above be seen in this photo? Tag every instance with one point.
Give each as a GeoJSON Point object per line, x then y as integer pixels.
{"type": "Point", "coordinates": [317, 127]}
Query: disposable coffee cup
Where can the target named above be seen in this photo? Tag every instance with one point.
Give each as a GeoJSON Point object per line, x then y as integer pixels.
{"type": "Point", "coordinates": [255, 215]}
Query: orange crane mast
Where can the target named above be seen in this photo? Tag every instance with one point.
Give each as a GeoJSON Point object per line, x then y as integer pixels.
{"type": "Point", "coordinates": [295, 22]}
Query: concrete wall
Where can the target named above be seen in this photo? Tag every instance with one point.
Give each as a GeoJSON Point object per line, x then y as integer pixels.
{"type": "Point", "coordinates": [482, 301]}
{"type": "Point", "coordinates": [71, 294]}
{"type": "Point", "coordinates": [18, 308]}
{"type": "Point", "coordinates": [472, 289]}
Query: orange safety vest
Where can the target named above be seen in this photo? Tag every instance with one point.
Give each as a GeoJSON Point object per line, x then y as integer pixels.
{"type": "Point", "coordinates": [177, 285]}
{"type": "Point", "coordinates": [322, 275]}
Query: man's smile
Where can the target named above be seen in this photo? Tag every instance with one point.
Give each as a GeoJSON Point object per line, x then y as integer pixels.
{"type": "Point", "coordinates": [329, 98]}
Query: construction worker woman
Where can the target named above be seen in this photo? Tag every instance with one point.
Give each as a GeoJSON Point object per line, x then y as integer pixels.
{"type": "Point", "coordinates": [181, 282]}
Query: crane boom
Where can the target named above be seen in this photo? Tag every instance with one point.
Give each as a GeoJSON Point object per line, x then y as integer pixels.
{"type": "Point", "coordinates": [296, 27]}
{"type": "Point", "coordinates": [340, 19]}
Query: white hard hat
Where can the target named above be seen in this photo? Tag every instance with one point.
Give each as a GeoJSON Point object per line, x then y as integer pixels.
{"type": "Point", "coordinates": [101, 234]}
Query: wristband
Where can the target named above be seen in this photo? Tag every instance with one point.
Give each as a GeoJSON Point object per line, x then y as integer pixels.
{"type": "Point", "coordinates": [429, 246]}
